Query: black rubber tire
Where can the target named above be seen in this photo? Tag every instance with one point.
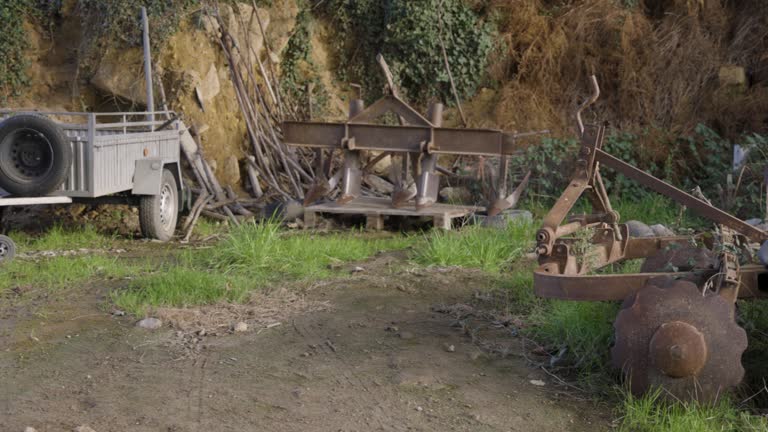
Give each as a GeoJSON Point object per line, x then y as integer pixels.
{"type": "Point", "coordinates": [7, 249]}
{"type": "Point", "coordinates": [158, 214]}
{"type": "Point", "coordinates": [35, 155]}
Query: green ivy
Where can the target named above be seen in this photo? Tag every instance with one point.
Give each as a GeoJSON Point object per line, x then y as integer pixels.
{"type": "Point", "coordinates": [298, 71]}
{"type": "Point", "coordinates": [702, 159]}
{"type": "Point", "coordinates": [13, 42]}
{"type": "Point", "coordinates": [120, 19]}
{"type": "Point", "coordinates": [407, 33]}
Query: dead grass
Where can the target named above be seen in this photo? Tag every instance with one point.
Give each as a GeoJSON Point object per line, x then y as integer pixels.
{"type": "Point", "coordinates": [262, 310]}
{"type": "Point", "coordinates": [657, 63]}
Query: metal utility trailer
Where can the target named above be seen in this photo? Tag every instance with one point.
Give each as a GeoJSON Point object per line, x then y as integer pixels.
{"type": "Point", "coordinates": [676, 329]}
{"type": "Point", "coordinates": [66, 157]}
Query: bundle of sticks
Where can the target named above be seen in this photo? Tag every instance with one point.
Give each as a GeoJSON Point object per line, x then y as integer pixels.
{"type": "Point", "coordinates": [283, 170]}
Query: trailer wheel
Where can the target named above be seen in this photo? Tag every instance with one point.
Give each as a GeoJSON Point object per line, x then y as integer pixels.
{"type": "Point", "coordinates": [7, 249]}
{"type": "Point", "coordinates": [159, 213]}
{"type": "Point", "coordinates": [35, 155]}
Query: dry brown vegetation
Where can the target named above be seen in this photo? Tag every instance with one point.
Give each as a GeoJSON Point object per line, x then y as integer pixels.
{"type": "Point", "coordinates": [657, 63]}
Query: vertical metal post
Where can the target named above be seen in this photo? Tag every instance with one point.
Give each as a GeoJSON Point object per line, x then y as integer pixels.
{"type": "Point", "coordinates": [148, 68]}
{"type": "Point", "coordinates": [353, 175]}
{"type": "Point", "coordinates": [428, 183]}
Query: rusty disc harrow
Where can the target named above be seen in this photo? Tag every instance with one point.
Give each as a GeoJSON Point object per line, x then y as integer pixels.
{"type": "Point", "coordinates": [677, 339]}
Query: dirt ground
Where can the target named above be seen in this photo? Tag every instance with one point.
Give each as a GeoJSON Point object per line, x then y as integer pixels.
{"type": "Point", "coordinates": [375, 356]}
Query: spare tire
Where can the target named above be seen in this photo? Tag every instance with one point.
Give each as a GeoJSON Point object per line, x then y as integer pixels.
{"type": "Point", "coordinates": [35, 155]}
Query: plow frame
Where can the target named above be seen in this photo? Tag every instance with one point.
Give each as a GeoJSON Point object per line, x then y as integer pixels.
{"type": "Point", "coordinates": [564, 270]}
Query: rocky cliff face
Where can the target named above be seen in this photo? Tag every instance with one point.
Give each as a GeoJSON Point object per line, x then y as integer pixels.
{"type": "Point", "coordinates": [192, 69]}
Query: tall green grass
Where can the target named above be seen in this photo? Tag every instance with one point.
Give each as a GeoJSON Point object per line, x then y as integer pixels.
{"type": "Point", "coordinates": [249, 258]}
{"type": "Point", "coordinates": [584, 330]}
{"type": "Point", "coordinates": [181, 287]}
{"type": "Point", "coordinates": [62, 272]}
{"type": "Point", "coordinates": [476, 246]}
{"type": "Point", "coordinates": [265, 251]}
{"type": "Point", "coordinates": [61, 238]}
{"type": "Point", "coordinates": [651, 414]}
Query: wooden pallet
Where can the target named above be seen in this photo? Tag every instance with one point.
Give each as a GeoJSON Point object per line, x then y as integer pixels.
{"type": "Point", "coordinates": [376, 209]}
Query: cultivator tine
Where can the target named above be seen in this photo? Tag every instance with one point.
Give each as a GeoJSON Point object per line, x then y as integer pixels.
{"type": "Point", "coordinates": [511, 201]}
{"type": "Point", "coordinates": [352, 172]}
{"type": "Point", "coordinates": [352, 177]}
{"type": "Point", "coordinates": [401, 195]}
{"type": "Point", "coordinates": [428, 183]}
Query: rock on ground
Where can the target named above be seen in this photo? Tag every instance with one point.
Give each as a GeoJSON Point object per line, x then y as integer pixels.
{"type": "Point", "coordinates": [639, 229]}
{"type": "Point", "coordinates": [84, 428]}
{"type": "Point", "coordinates": [456, 194]}
{"type": "Point", "coordinates": [285, 210]}
{"type": "Point", "coordinates": [660, 230]}
{"type": "Point", "coordinates": [150, 323]}
{"type": "Point", "coordinates": [503, 219]}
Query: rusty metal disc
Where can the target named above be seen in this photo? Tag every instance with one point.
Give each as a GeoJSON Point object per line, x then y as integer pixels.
{"type": "Point", "coordinates": [679, 257]}
{"type": "Point", "coordinates": [680, 340]}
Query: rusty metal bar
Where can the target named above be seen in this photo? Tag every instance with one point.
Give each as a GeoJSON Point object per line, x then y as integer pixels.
{"type": "Point", "coordinates": [702, 208]}
{"type": "Point", "coordinates": [616, 287]}
{"type": "Point", "coordinates": [401, 139]}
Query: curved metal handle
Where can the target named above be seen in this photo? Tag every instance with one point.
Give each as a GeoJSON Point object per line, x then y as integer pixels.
{"type": "Point", "coordinates": [588, 102]}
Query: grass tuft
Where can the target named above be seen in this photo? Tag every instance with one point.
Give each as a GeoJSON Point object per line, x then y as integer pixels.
{"type": "Point", "coordinates": [489, 249]}
{"type": "Point", "coordinates": [583, 329]}
{"type": "Point", "coordinates": [60, 238]}
{"type": "Point", "coordinates": [651, 414]}
{"type": "Point", "coordinates": [61, 272]}
{"type": "Point", "coordinates": [245, 260]}
{"type": "Point", "coordinates": [180, 287]}
{"type": "Point", "coordinates": [264, 251]}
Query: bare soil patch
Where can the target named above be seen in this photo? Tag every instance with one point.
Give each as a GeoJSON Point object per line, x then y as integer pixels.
{"type": "Point", "coordinates": [363, 352]}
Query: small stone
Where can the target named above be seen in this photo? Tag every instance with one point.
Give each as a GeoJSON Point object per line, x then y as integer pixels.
{"type": "Point", "coordinates": [357, 270]}
{"type": "Point", "coordinates": [118, 312]}
{"type": "Point", "coordinates": [732, 76]}
{"type": "Point", "coordinates": [538, 383]}
{"type": "Point", "coordinates": [405, 335]}
{"type": "Point", "coordinates": [639, 229]}
{"type": "Point", "coordinates": [418, 408]}
{"type": "Point", "coordinates": [449, 347]}
{"type": "Point", "coordinates": [240, 327]}
{"type": "Point", "coordinates": [392, 328]}
{"type": "Point", "coordinates": [84, 428]}
{"type": "Point", "coordinates": [505, 218]}
{"type": "Point", "coordinates": [475, 355]}
{"type": "Point", "coordinates": [456, 195]}
{"type": "Point", "coordinates": [30, 429]}
{"type": "Point", "coordinates": [660, 230]}
{"type": "Point", "coordinates": [150, 323]}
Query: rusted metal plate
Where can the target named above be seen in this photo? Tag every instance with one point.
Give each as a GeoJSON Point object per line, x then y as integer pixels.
{"type": "Point", "coordinates": [311, 134]}
{"type": "Point", "coordinates": [699, 206]}
{"type": "Point", "coordinates": [620, 286]}
{"type": "Point", "coordinates": [400, 139]}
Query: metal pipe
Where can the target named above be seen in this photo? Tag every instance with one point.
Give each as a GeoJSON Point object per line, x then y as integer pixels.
{"type": "Point", "coordinates": [148, 67]}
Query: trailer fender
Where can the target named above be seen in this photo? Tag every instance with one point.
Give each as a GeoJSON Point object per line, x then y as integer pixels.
{"type": "Point", "coordinates": [149, 174]}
